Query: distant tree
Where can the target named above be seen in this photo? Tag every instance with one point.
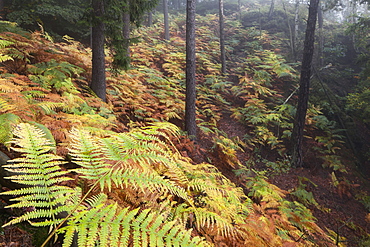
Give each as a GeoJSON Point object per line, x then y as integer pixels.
{"type": "Point", "coordinates": [116, 17]}
{"type": "Point", "coordinates": [320, 52]}
{"type": "Point", "coordinates": [58, 17]}
{"type": "Point", "coordinates": [304, 85]}
{"type": "Point", "coordinates": [271, 10]}
{"type": "Point", "coordinates": [126, 33]}
{"type": "Point", "coordinates": [222, 37]}
{"type": "Point", "coordinates": [190, 107]}
{"type": "Point", "coordinates": [296, 30]}
{"type": "Point", "coordinates": [150, 19]}
{"type": "Point", "coordinates": [240, 9]}
{"type": "Point", "coordinates": [166, 25]}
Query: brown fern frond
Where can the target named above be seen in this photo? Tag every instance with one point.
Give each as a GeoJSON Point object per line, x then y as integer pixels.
{"type": "Point", "coordinates": [7, 86]}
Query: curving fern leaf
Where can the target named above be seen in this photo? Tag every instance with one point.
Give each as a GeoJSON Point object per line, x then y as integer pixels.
{"type": "Point", "coordinates": [124, 160]}
{"type": "Point", "coordinates": [39, 172]}
{"type": "Point", "coordinates": [102, 224]}
{"type": "Point", "coordinates": [7, 120]}
{"type": "Point", "coordinates": [5, 106]}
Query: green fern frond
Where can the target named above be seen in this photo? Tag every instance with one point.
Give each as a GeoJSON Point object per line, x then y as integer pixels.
{"type": "Point", "coordinates": [120, 153]}
{"type": "Point", "coordinates": [108, 225]}
{"type": "Point", "coordinates": [39, 172]}
{"type": "Point", "coordinates": [5, 106]}
{"type": "Point", "coordinates": [207, 219]}
{"type": "Point", "coordinates": [7, 121]}
{"type": "Point", "coordinates": [3, 45]}
{"type": "Point", "coordinates": [4, 58]}
{"type": "Point", "coordinates": [49, 107]}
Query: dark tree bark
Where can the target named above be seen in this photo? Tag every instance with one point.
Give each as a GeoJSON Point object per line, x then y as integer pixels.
{"type": "Point", "coordinates": [222, 37]}
{"type": "Point", "coordinates": [166, 26]}
{"type": "Point", "coordinates": [320, 17]}
{"type": "Point", "coordinates": [296, 29]}
{"type": "Point", "coordinates": [98, 82]}
{"type": "Point", "coordinates": [304, 85]}
{"type": "Point", "coordinates": [190, 107]}
{"type": "Point", "coordinates": [126, 30]}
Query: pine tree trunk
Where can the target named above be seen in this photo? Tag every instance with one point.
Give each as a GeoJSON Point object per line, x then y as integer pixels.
{"type": "Point", "coordinates": [222, 37]}
{"type": "Point", "coordinates": [98, 81]}
{"type": "Point", "coordinates": [166, 26]}
{"type": "Point", "coordinates": [239, 10]}
{"type": "Point", "coordinates": [291, 39]}
{"type": "Point", "coordinates": [272, 7]}
{"type": "Point", "coordinates": [304, 85]}
{"type": "Point", "coordinates": [296, 30]}
{"type": "Point", "coordinates": [150, 18]}
{"type": "Point", "coordinates": [190, 107]}
{"type": "Point", "coordinates": [321, 37]}
{"type": "Point", "coordinates": [126, 30]}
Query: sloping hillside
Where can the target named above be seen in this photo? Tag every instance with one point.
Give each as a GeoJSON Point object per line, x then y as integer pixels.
{"type": "Point", "coordinates": [220, 190]}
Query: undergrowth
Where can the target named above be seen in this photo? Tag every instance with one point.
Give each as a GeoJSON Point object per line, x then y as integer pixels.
{"type": "Point", "coordinates": [134, 185]}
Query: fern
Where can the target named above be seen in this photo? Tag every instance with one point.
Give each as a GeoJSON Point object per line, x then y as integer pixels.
{"type": "Point", "coordinates": [122, 149]}
{"type": "Point", "coordinates": [3, 45]}
{"type": "Point", "coordinates": [39, 173]}
{"type": "Point", "coordinates": [7, 120]}
{"type": "Point", "coordinates": [96, 221]}
{"type": "Point", "coordinates": [109, 225]}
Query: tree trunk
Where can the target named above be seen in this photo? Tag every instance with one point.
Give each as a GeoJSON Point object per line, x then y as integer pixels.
{"type": "Point", "coordinates": [98, 81]}
{"type": "Point", "coordinates": [190, 107]}
{"type": "Point", "coordinates": [239, 10]}
{"type": "Point", "coordinates": [126, 30]}
{"type": "Point", "coordinates": [304, 85]}
{"type": "Point", "coordinates": [222, 37]}
{"type": "Point", "coordinates": [291, 40]}
{"type": "Point", "coordinates": [166, 26]}
{"type": "Point", "coordinates": [150, 18]}
{"type": "Point", "coordinates": [296, 30]}
{"type": "Point", "coordinates": [321, 38]}
{"type": "Point", "coordinates": [272, 7]}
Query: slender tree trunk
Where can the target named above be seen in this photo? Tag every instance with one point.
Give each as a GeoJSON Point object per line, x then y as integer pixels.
{"type": "Point", "coordinates": [240, 10]}
{"type": "Point", "coordinates": [320, 19]}
{"type": "Point", "coordinates": [222, 37]}
{"type": "Point", "coordinates": [304, 85]}
{"type": "Point", "coordinates": [126, 30]}
{"type": "Point", "coordinates": [98, 81]}
{"type": "Point", "coordinates": [296, 31]}
{"type": "Point", "coordinates": [272, 7]}
{"type": "Point", "coordinates": [190, 107]}
{"type": "Point", "coordinates": [291, 41]}
{"type": "Point", "coordinates": [166, 26]}
{"type": "Point", "coordinates": [150, 18]}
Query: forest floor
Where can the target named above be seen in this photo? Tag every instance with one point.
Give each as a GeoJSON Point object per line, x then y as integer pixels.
{"type": "Point", "coordinates": [339, 211]}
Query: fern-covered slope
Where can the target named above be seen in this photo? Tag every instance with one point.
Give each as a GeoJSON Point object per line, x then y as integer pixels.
{"type": "Point", "coordinates": [46, 84]}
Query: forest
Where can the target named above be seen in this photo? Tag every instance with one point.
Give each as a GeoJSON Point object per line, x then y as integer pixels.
{"type": "Point", "coordinates": [185, 123]}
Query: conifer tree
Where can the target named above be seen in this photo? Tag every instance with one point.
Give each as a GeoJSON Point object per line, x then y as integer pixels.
{"type": "Point", "coordinates": [222, 37]}
{"type": "Point", "coordinates": [304, 85]}
{"type": "Point", "coordinates": [190, 107]}
{"type": "Point", "coordinates": [98, 80]}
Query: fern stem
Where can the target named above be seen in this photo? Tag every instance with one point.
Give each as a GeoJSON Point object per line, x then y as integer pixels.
{"type": "Point", "coordinates": [69, 215]}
